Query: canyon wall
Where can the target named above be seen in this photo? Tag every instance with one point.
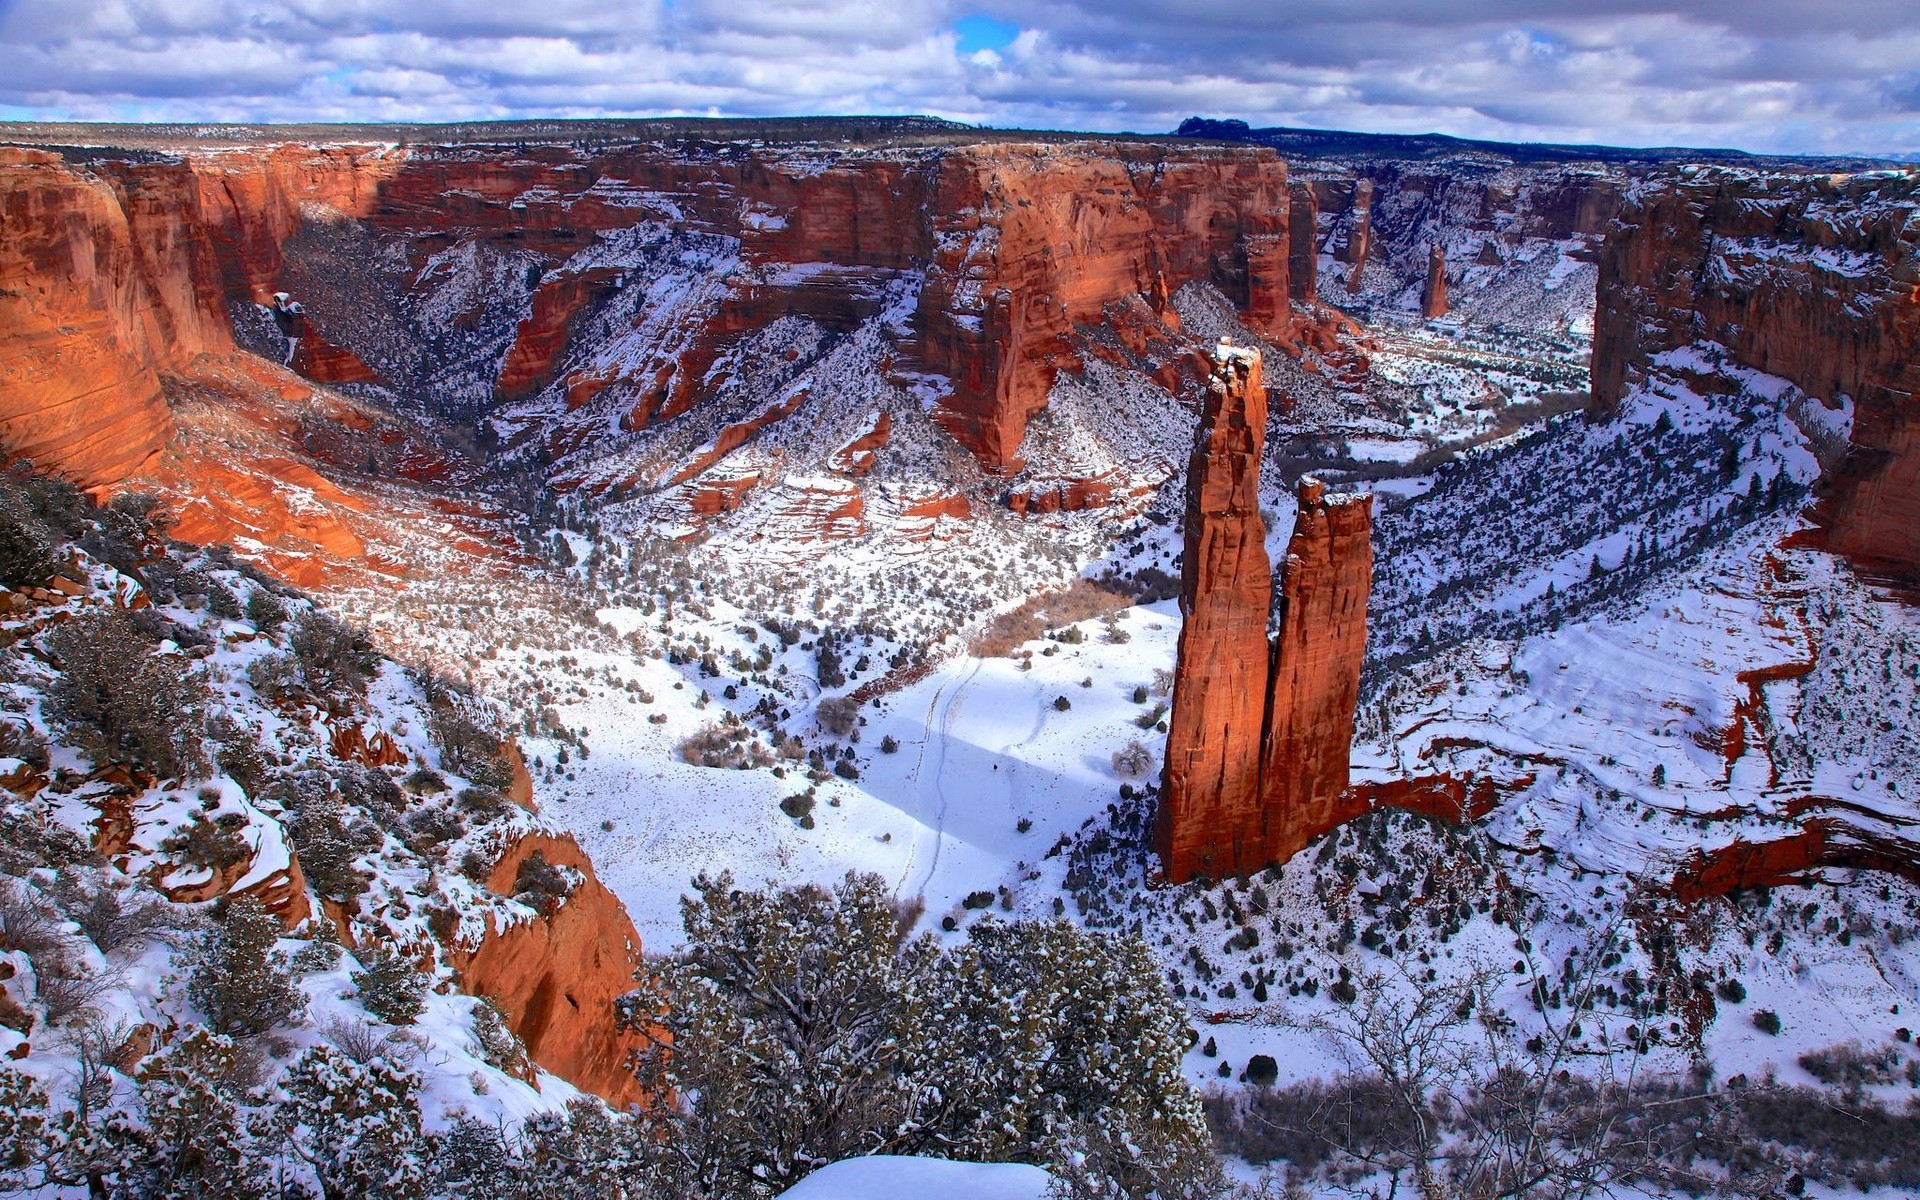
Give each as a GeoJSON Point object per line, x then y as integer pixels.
{"type": "Point", "coordinates": [1001, 251]}
{"type": "Point", "coordinates": [1812, 278]}
{"type": "Point", "coordinates": [80, 344]}
{"type": "Point", "coordinates": [1260, 733]}
{"type": "Point", "coordinates": [1034, 241]}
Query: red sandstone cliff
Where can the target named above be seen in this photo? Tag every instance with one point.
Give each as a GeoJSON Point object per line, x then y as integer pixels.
{"type": "Point", "coordinates": [1317, 655]}
{"type": "Point", "coordinates": [80, 346]}
{"type": "Point", "coordinates": [1260, 733]}
{"type": "Point", "coordinates": [1433, 296]}
{"type": "Point", "coordinates": [557, 975]}
{"type": "Point", "coordinates": [1210, 817]}
{"type": "Point", "coordinates": [1032, 241]}
{"type": "Point", "coordinates": [1813, 278]}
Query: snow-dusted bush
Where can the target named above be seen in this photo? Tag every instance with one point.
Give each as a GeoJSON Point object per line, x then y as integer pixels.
{"type": "Point", "coordinates": [1033, 1041]}
{"type": "Point", "coordinates": [390, 987]}
{"type": "Point", "coordinates": [121, 701]}
{"type": "Point", "coordinates": [237, 977]}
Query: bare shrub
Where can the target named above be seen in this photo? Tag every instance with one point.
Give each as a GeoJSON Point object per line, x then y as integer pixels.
{"type": "Point", "coordinates": [1081, 600]}
{"type": "Point", "coordinates": [725, 745]}
{"type": "Point", "coordinates": [838, 715]}
{"type": "Point", "coordinates": [111, 915]}
{"type": "Point", "coordinates": [1132, 760]}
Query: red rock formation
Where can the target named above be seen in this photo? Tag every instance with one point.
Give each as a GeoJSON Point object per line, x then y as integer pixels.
{"type": "Point", "coordinates": [1031, 241]}
{"type": "Point", "coordinates": [557, 976]}
{"type": "Point", "coordinates": [1210, 819]}
{"type": "Point", "coordinates": [1303, 254]}
{"type": "Point", "coordinates": [860, 455]}
{"type": "Point", "coordinates": [1433, 296]}
{"type": "Point", "coordinates": [80, 348]}
{"type": "Point", "coordinates": [1814, 278]}
{"type": "Point", "coordinates": [1317, 656]}
{"type": "Point", "coordinates": [1260, 733]}
{"type": "Point", "coordinates": [529, 364]}
{"type": "Point", "coordinates": [1359, 240]}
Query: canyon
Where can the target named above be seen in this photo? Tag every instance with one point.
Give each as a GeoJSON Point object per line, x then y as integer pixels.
{"type": "Point", "coordinates": [662, 425]}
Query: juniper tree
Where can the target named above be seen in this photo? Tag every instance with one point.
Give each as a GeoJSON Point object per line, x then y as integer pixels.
{"type": "Point", "coordinates": [354, 1127]}
{"type": "Point", "coordinates": [390, 988]}
{"type": "Point", "coordinates": [237, 977]}
{"type": "Point", "coordinates": [804, 1025]}
{"type": "Point", "coordinates": [197, 1145]}
{"type": "Point", "coordinates": [121, 701]}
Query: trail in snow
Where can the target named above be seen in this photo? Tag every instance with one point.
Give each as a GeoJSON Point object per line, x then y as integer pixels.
{"type": "Point", "coordinates": [938, 825]}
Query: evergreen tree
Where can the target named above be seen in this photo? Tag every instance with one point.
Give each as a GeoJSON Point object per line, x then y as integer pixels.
{"type": "Point", "coordinates": [356, 1128]}
{"type": "Point", "coordinates": [805, 1026]}
{"type": "Point", "coordinates": [237, 977]}
{"type": "Point", "coordinates": [197, 1145]}
{"type": "Point", "coordinates": [390, 988]}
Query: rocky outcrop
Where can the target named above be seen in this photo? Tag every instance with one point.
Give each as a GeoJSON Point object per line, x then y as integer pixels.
{"type": "Point", "coordinates": [1260, 733]}
{"type": "Point", "coordinates": [558, 974]}
{"type": "Point", "coordinates": [1433, 295]}
{"type": "Point", "coordinates": [1032, 241]}
{"type": "Point", "coordinates": [542, 336]}
{"type": "Point", "coordinates": [1210, 820]}
{"type": "Point", "coordinates": [1812, 278]}
{"type": "Point", "coordinates": [1303, 242]}
{"type": "Point", "coordinates": [80, 343]}
{"type": "Point", "coordinates": [1317, 655]}
{"type": "Point", "coordinates": [1359, 233]}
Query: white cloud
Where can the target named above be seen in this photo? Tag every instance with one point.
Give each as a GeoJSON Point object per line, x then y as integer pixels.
{"type": "Point", "coordinates": [1785, 75]}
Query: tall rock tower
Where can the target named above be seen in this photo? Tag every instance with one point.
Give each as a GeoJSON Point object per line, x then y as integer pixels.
{"type": "Point", "coordinates": [1259, 736]}
{"type": "Point", "coordinates": [1210, 805]}
{"type": "Point", "coordinates": [1433, 297]}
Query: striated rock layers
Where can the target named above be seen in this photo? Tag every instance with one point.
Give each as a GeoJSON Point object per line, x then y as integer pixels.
{"type": "Point", "coordinates": [1812, 278]}
{"type": "Point", "coordinates": [495, 261]}
{"type": "Point", "coordinates": [1260, 732]}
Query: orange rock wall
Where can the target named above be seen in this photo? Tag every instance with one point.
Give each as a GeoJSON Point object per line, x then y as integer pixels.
{"type": "Point", "coordinates": [1030, 241]}
{"type": "Point", "coordinates": [1261, 732]}
{"type": "Point", "coordinates": [1813, 278]}
{"type": "Point", "coordinates": [1210, 820]}
{"type": "Point", "coordinates": [1317, 656]}
{"type": "Point", "coordinates": [557, 976]}
{"type": "Point", "coordinates": [81, 341]}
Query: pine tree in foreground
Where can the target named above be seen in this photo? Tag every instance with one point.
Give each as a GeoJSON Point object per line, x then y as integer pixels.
{"type": "Point", "coordinates": [803, 1026]}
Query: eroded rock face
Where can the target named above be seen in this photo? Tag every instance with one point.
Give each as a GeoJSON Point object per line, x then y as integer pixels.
{"type": "Point", "coordinates": [1317, 656]}
{"type": "Point", "coordinates": [1210, 819]}
{"type": "Point", "coordinates": [1260, 733]}
{"type": "Point", "coordinates": [1303, 256]}
{"type": "Point", "coordinates": [1031, 241]}
{"type": "Point", "coordinates": [1433, 296]}
{"type": "Point", "coordinates": [557, 975]}
{"type": "Point", "coordinates": [80, 340]}
{"type": "Point", "coordinates": [1812, 278]}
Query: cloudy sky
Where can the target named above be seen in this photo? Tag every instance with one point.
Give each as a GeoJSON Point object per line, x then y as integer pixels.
{"type": "Point", "coordinates": [1767, 75]}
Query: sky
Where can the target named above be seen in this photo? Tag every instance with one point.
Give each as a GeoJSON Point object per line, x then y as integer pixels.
{"type": "Point", "coordinates": [1784, 76]}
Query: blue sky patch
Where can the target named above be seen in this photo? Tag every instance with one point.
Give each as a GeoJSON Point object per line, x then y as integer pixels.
{"type": "Point", "coordinates": [977, 33]}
